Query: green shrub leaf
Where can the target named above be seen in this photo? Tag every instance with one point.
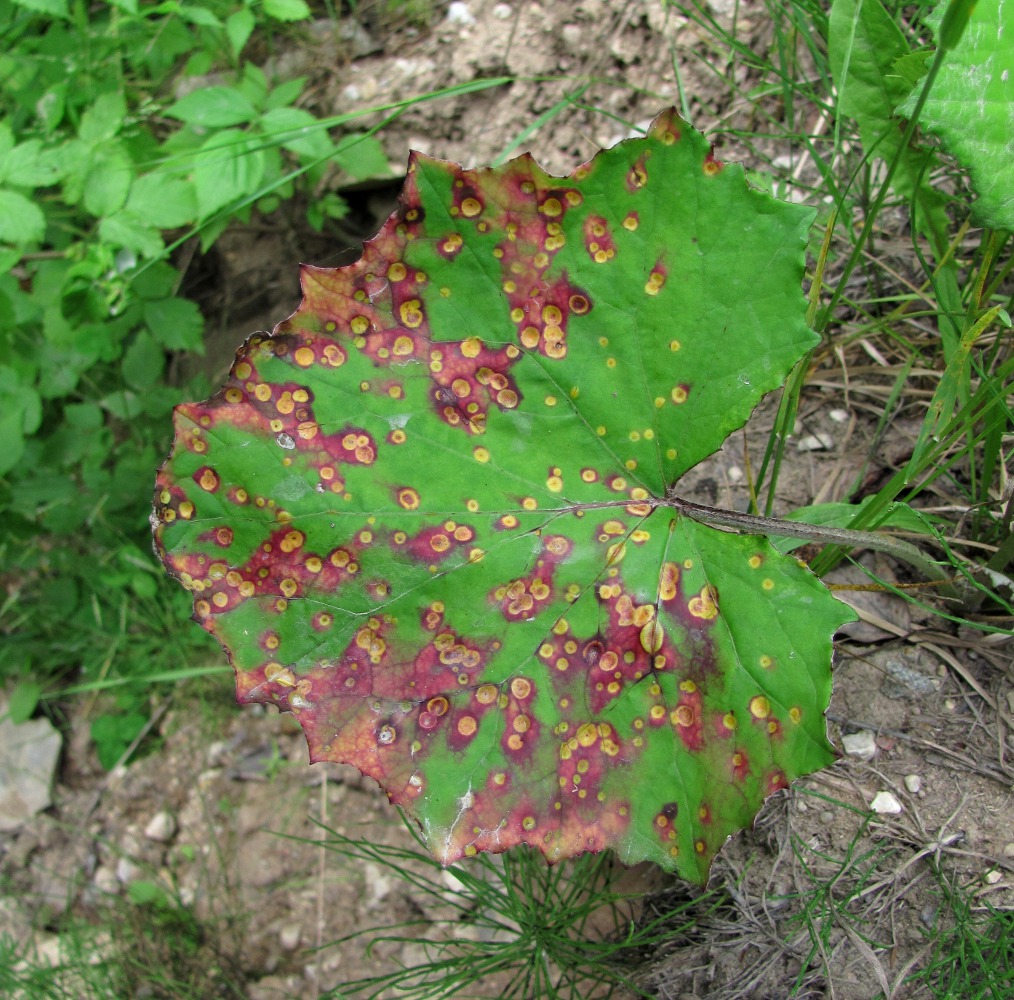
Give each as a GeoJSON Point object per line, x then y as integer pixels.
{"type": "Point", "coordinates": [143, 362]}
{"type": "Point", "coordinates": [56, 8]}
{"type": "Point", "coordinates": [434, 514]}
{"type": "Point", "coordinates": [126, 229]}
{"type": "Point", "coordinates": [229, 166]}
{"type": "Point", "coordinates": [104, 119]}
{"type": "Point", "coordinates": [29, 165]}
{"type": "Point", "coordinates": [23, 701]}
{"type": "Point", "coordinates": [107, 182]}
{"type": "Point", "coordinates": [176, 323]}
{"type": "Point", "coordinates": [971, 108]}
{"type": "Point", "coordinates": [238, 29]}
{"type": "Point", "coordinates": [21, 220]}
{"type": "Point", "coordinates": [214, 107]}
{"type": "Point", "coordinates": [163, 200]}
{"type": "Point", "coordinates": [297, 131]}
{"type": "Point", "coordinates": [287, 10]}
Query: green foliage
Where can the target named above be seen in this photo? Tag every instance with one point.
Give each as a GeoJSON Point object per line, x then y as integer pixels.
{"type": "Point", "coordinates": [435, 514]}
{"type": "Point", "coordinates": [112, 734]}
{"type": "Point", "coordinates": [969, 948]}
{"type": "Point", "coordinates": [559, 933]}
{"type": "Point", "coordinates": [971, 104]}
{"type": "Point", "coordinates": [103, 172]}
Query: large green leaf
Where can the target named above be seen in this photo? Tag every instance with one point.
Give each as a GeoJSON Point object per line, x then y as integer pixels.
{"type": "Point", "coordinates": [434, 514]}
{"type": "Point", "coordinates": [971, 107]}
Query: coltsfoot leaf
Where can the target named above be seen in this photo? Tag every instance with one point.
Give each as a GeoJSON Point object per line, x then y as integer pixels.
{"type": "Point", "coordinates": [434, 513]}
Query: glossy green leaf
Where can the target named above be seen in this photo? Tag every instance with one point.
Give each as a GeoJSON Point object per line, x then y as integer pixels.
{"type": "Point", "coordinates": [971, 106]}
{"type": "Point", "coordinates": [435, 513]}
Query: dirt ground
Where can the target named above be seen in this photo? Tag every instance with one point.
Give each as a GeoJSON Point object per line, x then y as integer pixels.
{"type": "Point", "coordinates": [822, 896]}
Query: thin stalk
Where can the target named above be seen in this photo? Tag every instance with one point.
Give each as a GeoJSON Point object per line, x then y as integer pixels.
{"type": "Point", "coordinates": [825, 534]}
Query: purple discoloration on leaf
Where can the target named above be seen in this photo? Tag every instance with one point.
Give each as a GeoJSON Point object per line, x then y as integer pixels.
{"type": "Point", "coordinates": [429, 513]}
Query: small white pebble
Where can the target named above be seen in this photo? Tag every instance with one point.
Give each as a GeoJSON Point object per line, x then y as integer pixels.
{"type": "Point", "coordinates": [127, 871]}
{"type": "Point", "coordinates": [839, 416]}
{"type": "Point", "coordinates": [815, 442]}
{"type": "Point", "coordinates": [105, 880]}
{"type": "Point", "coordinates": [735, 474]}
{"type": "Point", "coordinates": [801, 806]}
{"type": "Point", "coordinates": [459, 14]}
{"type": "Point", "coordinates": [502, 12]}
{"type": "Point", "coordinates": [570, 35]}
{"type": "Point", "coordinates": [289, 935]}
{"type": "Point", "coordinates": [950, 704]}
{"type": "Point", "coordinates": [913, 783]}
{"type": "Point", "coordinates": [993, 877]}
{"type": "Point", "coordinates": [161, 827]}
{"type": "Point", "coordinates": [884, 803]}
{"type": "Point", "coordinates": [1008, 850]}
{"type": "Point", "coordinates": [827, 817]}
{"type": "Point", "coordinates": [862, 744]}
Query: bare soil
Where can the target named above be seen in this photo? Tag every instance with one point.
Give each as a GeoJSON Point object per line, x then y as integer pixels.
{"type": "Point", "coordinates": [821, 896]}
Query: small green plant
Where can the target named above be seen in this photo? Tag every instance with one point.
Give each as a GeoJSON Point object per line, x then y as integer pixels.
{"type": "Point", "coordinates": [970, 954]}
{"type": "Point", "coordinates": [559, 933]}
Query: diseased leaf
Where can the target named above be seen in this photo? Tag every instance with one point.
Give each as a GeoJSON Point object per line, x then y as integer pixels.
{"type": "Point", "coordinates": [434, 514]}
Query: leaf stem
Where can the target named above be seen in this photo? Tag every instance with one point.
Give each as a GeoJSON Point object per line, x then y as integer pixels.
{"type": "Point", "coordinates": [826, 534]}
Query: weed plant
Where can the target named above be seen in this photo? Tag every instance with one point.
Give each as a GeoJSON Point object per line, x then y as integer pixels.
{"type": "Point", "coordinates": [562, 933]}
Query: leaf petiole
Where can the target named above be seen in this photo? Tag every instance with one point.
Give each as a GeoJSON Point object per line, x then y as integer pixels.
{"type": "Point", "coordinates": [822, 533]}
